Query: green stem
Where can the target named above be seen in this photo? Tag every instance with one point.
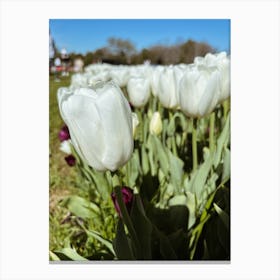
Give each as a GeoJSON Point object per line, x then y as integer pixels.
{"type": "Point", "coordinates": [174, 147]}
{"type": "Point", "coordinates": [115, 180]}
{"type": "Point", "coordinates": [211, 132]}
{"type": "Point", "coordinates": [141, 124]}
{"type": "Point", "coordinates": [154, 104]}
{"type": "Point", "coordinates": [194, 144]}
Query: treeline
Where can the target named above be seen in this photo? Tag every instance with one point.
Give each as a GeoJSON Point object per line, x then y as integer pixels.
{"type": "Point", "coordinates": [120, 51]}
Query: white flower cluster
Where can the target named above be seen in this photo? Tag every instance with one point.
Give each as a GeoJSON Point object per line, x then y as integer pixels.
{"type": "Point", "coordinates": [99, 117]}
{"type": "Point", "coordinates": [195, 88]}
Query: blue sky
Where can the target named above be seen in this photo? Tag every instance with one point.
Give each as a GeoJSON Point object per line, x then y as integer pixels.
{"type": "Point", "coordinates": [83, 35]}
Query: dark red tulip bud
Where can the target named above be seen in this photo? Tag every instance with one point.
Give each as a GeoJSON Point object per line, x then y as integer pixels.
{"type": "Point", "coordinates": [127, 196]}
{"type": "Point", "coordinates": [71, 161]}
{"type": "Point", "coordinates": [64, 133]}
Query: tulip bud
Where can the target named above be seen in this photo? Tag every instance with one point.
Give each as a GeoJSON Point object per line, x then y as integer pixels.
{"type": "Point", "coordinates": [100, 124]}
{"type": "Point", "coordinates": [156, 124]}
{"type": "Point", "coordinates": [71, 161]}
{"type": "Point", "coordinates": [64, 133]}
{"type": "Point", "coordinates": [138, 89]}
{"type": "Point", "coordinates": [65, 147]}
{"type": "Point", "coordinates": [127, 196]}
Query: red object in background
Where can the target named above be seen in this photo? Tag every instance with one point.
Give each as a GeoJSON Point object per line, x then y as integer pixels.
{"type": "Point", "coordinates": [58, 68]}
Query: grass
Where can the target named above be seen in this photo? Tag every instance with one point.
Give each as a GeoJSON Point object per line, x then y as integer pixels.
{"type": "Point", "coordinates": [63, 180]}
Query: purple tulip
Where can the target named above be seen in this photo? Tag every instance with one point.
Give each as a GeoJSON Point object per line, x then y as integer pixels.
{"type": "Point", "coordinates": [71, 161]}
{"type": "Point", "coordinates": [64, 133]}
{"type": "Point", "coordinates": [127, 196]}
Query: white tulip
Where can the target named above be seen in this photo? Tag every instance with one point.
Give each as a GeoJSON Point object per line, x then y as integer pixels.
{"type": "Point", "coordinates": [65, 147]}
{"type": "Point", "coordinates": [178, 74]}
{"type": "Point", "coordinates": [156, 124]}
{"type": "Point", "coordinates": [120, 75]}
{"type": "Point", "coordinates": [154, 80]}
{"type": "Point", "coordinates": [199, 91]}
{"type": "Point", "coordinates": [224, 68]}
{"type": "Point", "coordinates": [100, 124]}
{"type": "Point", "coordinates": [138, 89]}
{"type": "Point", "coordinates": [167, 88]}
{"type": "Point", "coordinates": [79, 80]}
{"type": "Point", "coordinates": [222, 62]}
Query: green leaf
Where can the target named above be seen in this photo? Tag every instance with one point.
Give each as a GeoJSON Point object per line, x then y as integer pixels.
{"type": "Point", "coordinates": [53, 256]}
{"type": "Point", "coordinates": [200, 177]}
{"type": "Point", "coordinates": [179, 243]}
{"type": "Point", "coordinates": [144, 160]}
{"type": "Point", "coordinates": [166, 249]}
{"type": "Point", "coordinates": [143, 227]}
{"type": "Point", "coordinates": [69, 254]}
{"type": "Point", "coordinates": [226, 166]}
{"type": "Point", "coordinates": [102, 185]}
{"type": "Point", "coordinates": [222, 141]}
{"type": "Point", "coordinates": [178, 200]}
{"type": "Point", "coordinates": [121, 244]}
{"type": "Point", "coordinates": [223, 215]}
{"type": "Point", "coordinates": [134, 166]}
{"type": "Point", "coordinates": [101, 239]}
{"type": "Point", "coordinates": [161, 154]}
{"type": "Point", "coordinates": [176, 172]}
{"type": "Point", "coordinates": [191, 204]}
{"type": "Point", "coordinates": [151, 157]}
{"type": "Point", "coordinates": [171, 127]}
{"type": "Point", "coordinates": [81, 207]}
{"type": "Point", "coordinates": [179, 217]}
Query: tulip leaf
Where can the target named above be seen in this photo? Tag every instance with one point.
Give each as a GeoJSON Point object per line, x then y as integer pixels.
{"type": "Point", "coordinates": [121, 244]}
{"type": "Point", "coordinates": [166, 249]}
{"type": "Point", "coordinates": [223, 215]}
{"type": "Point", "coordinates": [151, 156]}
{"type": "Point", "coordinates": [179, 243]}
{"type": "Point", "coordinates": [81, 207]}
{"type": "Point", "coordinates": [144, 160]}
{"type": "Point", "coordinates": [178, 200]}
{"type": "Point", "coordinates": [222, 141]}
{"type": "Point", "coordinates": [143, 227]}
{"type": "Point", "coordinates": [171, 126]}
{"type": "Point", "coordinates": [101, 184]}
{"type": "Point", "coordinates": [176, 171]}
{"type": "Point", "coordinates": [53, 256]}
{"type": "Point", "coordinates": [200, 177]}
{"type": "Point", "coordinates": [101, 239]}
{"type": "Point", "coordinates": [69, 254]}
{"type": "Point", "coordinates": [188, 200]}
{"type": "Point", "coordinates": [133, 169]}
{"type": "Point", "coordinates": [161, 154]}
{"type": "Point", "coordinates": [226, 166]}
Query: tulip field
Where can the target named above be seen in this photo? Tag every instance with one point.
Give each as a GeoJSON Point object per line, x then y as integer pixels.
{"type": "Point", "coordinates": [140, 162]}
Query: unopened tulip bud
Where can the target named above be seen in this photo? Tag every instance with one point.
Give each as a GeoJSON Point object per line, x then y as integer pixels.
{"type": "Point", "coordinates": [71, 160]}
{"type": "Point", "coordinates": [64, 133]}
{"type": "Point", "coordinates": [156, 124]}
{"type": "Point", "coordinates": [65, 147]}
{"type": "Point", "coordinates": [127, 196]}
